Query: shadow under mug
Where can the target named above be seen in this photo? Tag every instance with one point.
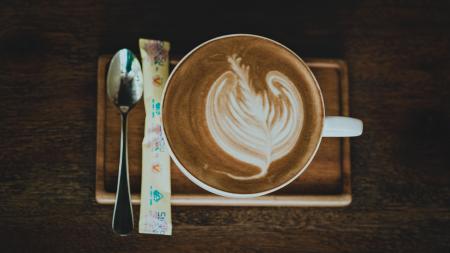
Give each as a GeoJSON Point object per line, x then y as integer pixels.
{"type": "Point", "coordinates": [333, 126]}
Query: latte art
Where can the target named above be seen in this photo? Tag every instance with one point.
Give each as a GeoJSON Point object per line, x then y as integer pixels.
{"type": "Point", "coordinates": [255, 126]}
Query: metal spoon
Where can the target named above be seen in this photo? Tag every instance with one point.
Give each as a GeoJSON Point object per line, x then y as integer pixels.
{"type": "Point", "coordinates": [124, 88]}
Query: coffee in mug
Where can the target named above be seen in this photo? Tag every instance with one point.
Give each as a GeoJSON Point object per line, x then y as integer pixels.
{"type": "Point", "coordinates": [243, 116]}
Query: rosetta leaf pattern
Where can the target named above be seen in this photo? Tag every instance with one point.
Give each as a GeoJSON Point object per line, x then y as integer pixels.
{"type": "Point", "coordinates": [256, 126]}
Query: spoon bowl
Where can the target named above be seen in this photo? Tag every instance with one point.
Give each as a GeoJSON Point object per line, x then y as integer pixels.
{"type": "Point", "coordinates": [124, 81]}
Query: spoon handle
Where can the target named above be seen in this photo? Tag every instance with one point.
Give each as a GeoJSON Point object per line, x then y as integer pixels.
{"type": "Point", "coordinates": [122, 222]}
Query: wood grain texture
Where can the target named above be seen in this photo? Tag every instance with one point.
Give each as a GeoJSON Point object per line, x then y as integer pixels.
{"type": "Point", "coordinates": [398, 53]}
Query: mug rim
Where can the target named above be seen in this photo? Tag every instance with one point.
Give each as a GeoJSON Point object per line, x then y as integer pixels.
{"type": "Point", "coordinates": [202, 184]}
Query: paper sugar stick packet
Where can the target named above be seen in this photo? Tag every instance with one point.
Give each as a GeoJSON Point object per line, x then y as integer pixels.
{"type": "Point", "coordinates": [155, 214]}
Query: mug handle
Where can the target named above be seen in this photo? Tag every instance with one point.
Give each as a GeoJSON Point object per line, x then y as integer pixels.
{"type": "Point", "coordinates": [338, 126]}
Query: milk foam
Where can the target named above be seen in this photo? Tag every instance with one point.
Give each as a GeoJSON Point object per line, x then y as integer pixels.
{"type": "Point", "coordinates": [256, 126]}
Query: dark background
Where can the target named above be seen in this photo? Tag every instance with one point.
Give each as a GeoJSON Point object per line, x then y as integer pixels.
{"type": "Point", "coordinates": [398, 54]}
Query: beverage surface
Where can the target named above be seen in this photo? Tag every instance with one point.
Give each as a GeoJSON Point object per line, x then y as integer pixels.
{"type": "Point", "coordinates": [256, 123]}
{"type": "Point", "coordinates": [242, 114]}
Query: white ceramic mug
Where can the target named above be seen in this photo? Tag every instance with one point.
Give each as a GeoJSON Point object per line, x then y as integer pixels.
{"type": "Point", "coordinates": [333, 126]}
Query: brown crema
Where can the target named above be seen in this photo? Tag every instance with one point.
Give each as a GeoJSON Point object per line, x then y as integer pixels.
{"type": "Point", "coordinates": [257, 73]}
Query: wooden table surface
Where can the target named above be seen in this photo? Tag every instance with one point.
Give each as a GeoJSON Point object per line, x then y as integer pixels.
{"type": "Point", "coordinates": [398, 54]}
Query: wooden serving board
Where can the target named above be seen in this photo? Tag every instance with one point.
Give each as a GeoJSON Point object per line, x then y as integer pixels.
{"type": "Point", "coordinates": [325, 183]}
